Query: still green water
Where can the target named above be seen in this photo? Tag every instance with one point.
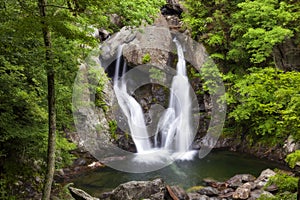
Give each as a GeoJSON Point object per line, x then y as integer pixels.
{"type": "Point", "coordinates": [219, 165]}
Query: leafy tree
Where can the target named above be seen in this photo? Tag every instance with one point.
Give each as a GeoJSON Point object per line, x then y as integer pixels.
{"type": "Point", "coordinates": [242, 33]}
{"type": "Point", "coordinates": [27, 60]}
{"type": "Point", "coordinates": [262, 24]}
{"type": "Point", "coordinates": [265, 104]}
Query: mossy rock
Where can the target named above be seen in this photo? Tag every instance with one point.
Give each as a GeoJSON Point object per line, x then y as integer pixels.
{"type": "Point", "coordinates": [194, 188]}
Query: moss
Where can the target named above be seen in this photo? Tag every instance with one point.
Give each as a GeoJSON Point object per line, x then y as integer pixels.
{"type": "Point", "coordinates": [284, 182]}
{"type": "Point", "coordinates": [146, 58]}
{"type": "Point", "coordinates": [195, 188]}
{"type": "Point", "coordinates": [113, 128]}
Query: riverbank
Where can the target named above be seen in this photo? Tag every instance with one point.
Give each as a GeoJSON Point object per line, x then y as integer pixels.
{"type": "Point", "coordinates": [240, 186]}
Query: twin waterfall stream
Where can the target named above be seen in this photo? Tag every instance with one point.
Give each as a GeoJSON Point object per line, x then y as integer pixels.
{"type": "Point", "coordinates": [174, 129]}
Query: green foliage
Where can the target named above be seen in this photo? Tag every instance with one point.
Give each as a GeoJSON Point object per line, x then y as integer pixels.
{"type": "Point", "coordinates": [281, 196]}
{"type": "Point", "coordinates": [156, 74]}
{"type": "Point", "coordinates": [265, 101]}
{"type": "Point", "coordinates": [23, 91]}
{"type": "Point", "coordinates": [284, 182]}
{"type": "Point", "coordinates": [242, 32]}
{"type": "Point", "coordinates": [4, 190]}
{"type": "Point", "coordinates": [100, 97]}
{"type": "Point", "coordinates": [210, 76]}
{"type": "Point", "coordinates": [293, 158]}
{"type": "Point", "coordinates": [261, 25]}
{"type": "Point", "coordinates": [113, 128]}
{"type": "Point", "coordinates": [135, 12]}
{"type": "Point", "coordinates": [146, 58]}
{"type": "Point", "coordinates": [63, 148]}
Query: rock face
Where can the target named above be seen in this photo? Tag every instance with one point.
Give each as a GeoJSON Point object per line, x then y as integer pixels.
{"type": "Point", "coordinates": [136, 190]}
{"type": "Point", "coordinates": [153, 42]}
{"type": "Point", "coordinates": [173, 7]}
{"type": "Point", "coordinates": [287, 56]}
{"type": "Point", "coordinates": [154, 46]}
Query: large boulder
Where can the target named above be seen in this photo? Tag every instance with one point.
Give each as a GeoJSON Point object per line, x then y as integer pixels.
{"type": "Point", "coordinates": [177, 192]}
{"type": "Point", "coordinates": [242, 192]}
{"type": "Point", "coordinates": [79, 194]}
{"type": "Point", "coordinates": [239, 180]}
{"type": "Point", "coordinates": [153, 42]}
{"type": "Point", "coordinates": [209, 191]}
{"type": "Point", "coordinates": [290, 145]}
{"type": "Point", "coordinates": [264, 177]}
{"type": "Point", "coordinates": [136, 190]}
{"type": "Point", "coordinates": [197, 196]}
{"type": "Point", "coordinates": [255, 194]}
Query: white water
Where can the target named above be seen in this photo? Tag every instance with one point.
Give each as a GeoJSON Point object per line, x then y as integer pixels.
{"type": "Point", "coordinates": [178, 116]}
{"type": "Point", "coordinates": [132, 110]}
{"type": "Point", "coordinates": [174, 129]}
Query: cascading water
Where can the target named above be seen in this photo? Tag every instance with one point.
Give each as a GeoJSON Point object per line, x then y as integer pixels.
{"type": "Point", "coordinates": [174, 127]}
{"type": "Point", "coordinates": [177, 119]}
{"type": "Point", "coordinates": [132, 110]}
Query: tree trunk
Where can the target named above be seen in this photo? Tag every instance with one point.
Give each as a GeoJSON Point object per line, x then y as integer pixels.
{"type": "Point", "coordinates": [51, 103]}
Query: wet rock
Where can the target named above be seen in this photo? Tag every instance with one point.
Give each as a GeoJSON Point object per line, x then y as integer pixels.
{"type": "Point", "coordinates": [174, 22]}
{"type": "Point", "coordinates": [257, 193]}
{"type": "Point", "coordinates": [290, 145]}
{"type": "Point", "coordinates": [136, 190]}
{"type": "Point", "coordinates": [79, 194]}
{"type": "Point", "coordinates": [80, 162]}
{"type": "Point", "coordinates": [271, 188]}
{"type": "Point", "coordinates": [262, 180]}
{"type": "Point", "coordinates": [95, 165]}
{"type": "Point", "coordinates": [197, 196]}
{"type": "Point", "coordinates": [126, 143]}
{"type": "Point", "coordinates": [242, 192]}
{"type": "Point", "coordinates": [173, 7]}
{"type": "Point", "coordinates": [209, 191]}
{"type": "Point", "coordinates": [153, 41]}
{"type": "Point", "coordinates": [226, 193]}
{"type": "Point", "coordinates": [239, 179]}
{"type": "Point", "coordinates": [209, 181]}
{"type": "Point", "coordinates": [178, 192]}
{"type": "Point", "coordinates": [158, 196]}
{"type": "Point", "coordinates": [105, 195]}
{"type": "Point", "coordinates": [227, 190]}
{"type": "Point", "coordinates": [103, 34]}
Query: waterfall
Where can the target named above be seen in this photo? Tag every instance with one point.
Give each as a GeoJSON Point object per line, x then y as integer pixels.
{"type": "Point", "coordinates": [176, 122]}
{"type": "Point", "coordinates": [174, 130]}
{"type": "Point", "coordinates": [131, 109]}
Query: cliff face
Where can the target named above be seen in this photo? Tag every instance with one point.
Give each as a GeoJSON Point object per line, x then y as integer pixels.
{"type": "Point", "coordinates": [287, 56]}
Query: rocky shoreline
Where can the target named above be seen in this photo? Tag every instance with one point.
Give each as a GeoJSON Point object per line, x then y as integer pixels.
{"type": "Point", "coordinates": [240, 186]}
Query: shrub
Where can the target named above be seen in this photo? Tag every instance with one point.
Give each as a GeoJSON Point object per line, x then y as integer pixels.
{"type": "Point", "coordinates": [284, 182]}
{"type": "Point", "coordinates": [293, 158]}
{"type": "Point", "coordinates": [266, 103]}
